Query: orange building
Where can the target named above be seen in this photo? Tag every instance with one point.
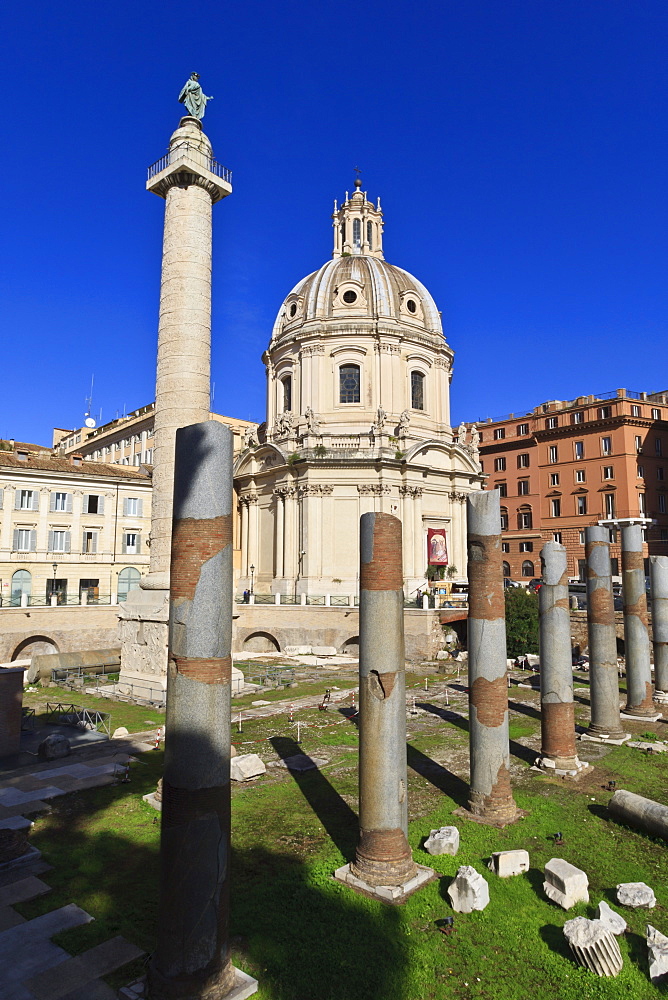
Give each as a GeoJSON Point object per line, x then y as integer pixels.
{"type": "Point", "coordinates": [567, 464]}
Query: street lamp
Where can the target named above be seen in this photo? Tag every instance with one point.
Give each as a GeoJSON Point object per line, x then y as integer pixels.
{"type": "Point", "coordinates": [252, 569]}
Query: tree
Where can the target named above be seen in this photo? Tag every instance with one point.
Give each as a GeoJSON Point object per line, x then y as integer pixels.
{"type": "Point", "coordinates": [521, 621]}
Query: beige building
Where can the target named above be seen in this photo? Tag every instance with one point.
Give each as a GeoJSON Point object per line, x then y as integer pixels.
{"type": "Point", "coordinates": [70, 531]}
{"type": "Point", "coordinates": [358, 419]}
{"type": "Point", "coordinates": [128, 440]}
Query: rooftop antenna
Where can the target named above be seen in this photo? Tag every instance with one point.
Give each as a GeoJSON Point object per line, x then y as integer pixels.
{"type": "Point", "coordinates": [88, 420]}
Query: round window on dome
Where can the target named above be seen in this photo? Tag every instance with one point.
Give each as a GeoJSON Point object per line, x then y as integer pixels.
{"type": "Point", "coordinates": [350, 297]}
{"type": "Point", "coordinates": [293, 309]}
{"type": "Point", "coordinates": [411, 306]}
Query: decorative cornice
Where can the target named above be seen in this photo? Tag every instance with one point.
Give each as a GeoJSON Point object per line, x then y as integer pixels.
{"type": "Point", "coordinates": [410, 491]}
{"type": "Point", "coordinates": [248, 498]}
{"type": "Point", "coordinates": [373, 489]}
{"type": "Point", "coordinates": [312, 349]}
{"type": "Point", "coordinates": [315, 490]}
{"type": "Point", "coordinates": [285, 491]}
{"type": "Point", "coordinates": [458, 497]}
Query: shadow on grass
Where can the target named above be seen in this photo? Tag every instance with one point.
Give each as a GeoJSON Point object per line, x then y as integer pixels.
{"type": "Point", "coordinates": [439, 776]}
{"type": "Point", "coordinates": [553, 937]}
{"type": "Point", "coordinates": [516, 706]}
{"type": "Point", "coordinates": [516, 749]}
{"type": "Point", "coordinates": [336, 816]}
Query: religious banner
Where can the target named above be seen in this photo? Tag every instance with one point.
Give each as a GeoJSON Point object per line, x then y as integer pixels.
{"type": "Point", "coordinates": [437, 552]}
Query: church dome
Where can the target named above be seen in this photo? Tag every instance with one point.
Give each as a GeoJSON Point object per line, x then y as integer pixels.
{"type": "Point", "coordinates": [359, 287]}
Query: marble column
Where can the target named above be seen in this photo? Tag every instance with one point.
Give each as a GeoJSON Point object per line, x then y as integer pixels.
{"type": "Point", "coordinates": [658, 568]}
{"type": "Point", "coordinates": [558, 749]}
{"type": "Point", "coordinates": [603, 676]}
{"type": "Point", "coordinates": [280, 533]}
{"type": "Point", "coordinates": [490, 797]}
{"type": "Point", "coordinates": [639, 700]}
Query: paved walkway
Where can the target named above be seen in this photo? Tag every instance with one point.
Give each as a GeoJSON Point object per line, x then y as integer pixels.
{"type": "Point", "coordinates": [32, 967]}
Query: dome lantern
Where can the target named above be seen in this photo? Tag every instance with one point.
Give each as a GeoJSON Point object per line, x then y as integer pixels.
{"type": "Point", "coordinates": [358, 226]}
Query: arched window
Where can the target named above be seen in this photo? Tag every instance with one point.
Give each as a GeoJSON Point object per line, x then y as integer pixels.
{"type": "Point", "coordinates": [128, 579]}
{"type": "Point", "coordinates": [506, 568]}
{"type": "Point", "coordinates": [357, 233]}
{"type": "Point", "coordinates": [417, 391]}
{"type": "Point", "coordinates": [504, 519]}
{"type": "Point", "coordinates": [524, 518]}
{"type": "Point", "coordinates": [369, 234]}
{"type": "Point", "coordinates": [287, 393]}
{"type": "Point", "coordinates": [21, 584]}
{"type": "Point", "coordinates": [349, 384]}
{"type": "Point", "coordinates": [527, 568]}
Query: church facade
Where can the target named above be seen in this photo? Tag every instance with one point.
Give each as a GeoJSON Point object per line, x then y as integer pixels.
{"type": "Point", "coordinates": [358, 419]}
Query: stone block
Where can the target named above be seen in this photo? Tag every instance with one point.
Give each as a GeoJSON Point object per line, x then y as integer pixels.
{"type": "Point", "coordinates": [508, 863]}
{"type": "Point", "coordinates": [443, 841]}
{"type": "Point", "coordinates": [613, 921]}
{"type": "Point", "coordinates": [468, 890]}
{"type": "Point", "coordinates": [53, 747]}
{"type": "Point", "coordinates": [565, 884]}
{"type": "Point", "coordinates": [657, 955]}
{"type": "Point", "coordinates": [323, 650]}
{"type": "Point", "coordinates": [594, 946]}
{"type": "Point", "coordinates": [120, 733]}
{"type": "Point", "coordinates": [246, 766]}
{"type": "Point", "coordinates": [233, 751]}
{"type": "Point", "coordinates": [297, 650]}
{"type": "Point", "coordinates": [636, 894]}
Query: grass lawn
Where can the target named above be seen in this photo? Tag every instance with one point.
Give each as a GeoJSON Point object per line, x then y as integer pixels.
{"type": "Point", "coordinates": [306, 937]}
{"type": "Point", "coordinates": [135, 718]}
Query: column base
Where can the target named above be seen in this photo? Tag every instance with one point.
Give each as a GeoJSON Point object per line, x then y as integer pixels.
{"type": "Point", "coordinates": [395, 894]}
{"type": "Point", "coordinates": [642, 716]}
{"type": "Point", "coordinates": [562, 767]}
{"type": "Point", "coordinates": [490, 820]}
{"type": "Point", "coordinates": [600, 736]}
{"type": "Point", "coordinates": [243, 986]}
{"type": "Point", "coordinates": [661, 697]}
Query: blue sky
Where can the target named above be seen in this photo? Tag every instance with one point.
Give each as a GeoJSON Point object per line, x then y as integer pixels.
{"type": "Point", "coordinates": [519, 148]}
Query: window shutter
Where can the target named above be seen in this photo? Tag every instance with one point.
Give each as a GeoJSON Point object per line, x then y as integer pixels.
{"type": "Point", "coordinates": [52, 503]}
{"type": "Point", "coordinates": [138, 542]}
{"type": "Point", "coordinates": [84, 503]}
{"type": "Point", "coordinates": [35, 500]}
{"type": "Point", "coordinates": [17, 499]}
{"type": "Point", "coordinates": [15, 544]}
{"type": "Point", "coordinates": [124, 547]}
{"type": "Point", "coordinates": [95, 541]}
{"type": "Point", "coordinates": [125, 509]}
{"type": "Point", "coordinates": [2, 499]}
{"type": "Point", "coordinates": [33, 540]}
{"type": "Point", "coordinates": [50, 541]}
{"type": "Point", "coordinates": [100, 504]}
{"type": "Point", "coordinates": [68, 503]}
{"type": "Point", "coordinates": [68, 541]}
{"type": "Point", "coordinates": [140, 508]}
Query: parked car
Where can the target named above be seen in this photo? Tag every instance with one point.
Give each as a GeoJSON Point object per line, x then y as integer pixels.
{"type": "Point", "coordinates": [535, 585]}
{"type": "Point", "coordinates": [508, 583]}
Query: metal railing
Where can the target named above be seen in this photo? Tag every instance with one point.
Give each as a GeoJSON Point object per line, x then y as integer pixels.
{"type": "Point", "coordinates": [187, 151]}
{"type": "Point", "coordinates": [75, 715]}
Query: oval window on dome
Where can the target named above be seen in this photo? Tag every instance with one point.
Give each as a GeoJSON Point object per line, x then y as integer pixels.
{"type": "Point", "coordinates": [411, 306]}
{"type": "Point", "coordinates": [350, 297]}
{"type": "Point", "coordinates": [293, 309]}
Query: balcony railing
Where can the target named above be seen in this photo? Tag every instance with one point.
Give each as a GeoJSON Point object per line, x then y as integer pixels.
{"type": "Point", "coordinates": [190, 152]}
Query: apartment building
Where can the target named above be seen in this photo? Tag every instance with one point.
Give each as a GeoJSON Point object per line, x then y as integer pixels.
{"type": "Point", "coordinates": [72, 529]}
{"type": "Point", "coordinates": [128, 440]}
{"type": "Point", "coordinates": [568, 464]}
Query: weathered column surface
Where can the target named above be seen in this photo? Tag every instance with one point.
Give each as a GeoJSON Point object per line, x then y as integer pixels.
{"type": "Point", "coordinates": [603, 677]}
{"type": "Point", "coordinates": [192, 955]}
{"type": "Point", "coordinates": [490, 796]}
{"type": "Point", "coordinates": [639, 700]}
{"type": "Point", "coordinates": [658, 570]}
{"type": "Point", "coordinates": [383, 857]}
{"type": "Point", "coordinates": [556, 670]}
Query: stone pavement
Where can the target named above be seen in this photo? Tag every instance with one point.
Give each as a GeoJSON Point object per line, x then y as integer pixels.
{"type": "Point", "coordinates": [31, 966]}
{"type": "Point", "coordinates": [27, 790]}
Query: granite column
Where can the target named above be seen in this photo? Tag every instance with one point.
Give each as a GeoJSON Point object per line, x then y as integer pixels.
{"type": "Point", "coordinates": [603, 676]}
{"type": "Point", "coordinates": [658, 568]}
{"type": "Point", "coordinates": [639, 701]}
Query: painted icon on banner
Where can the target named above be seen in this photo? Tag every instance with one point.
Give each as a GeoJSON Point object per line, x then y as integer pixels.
{"type": "Point", "coordinates": [436, 547]}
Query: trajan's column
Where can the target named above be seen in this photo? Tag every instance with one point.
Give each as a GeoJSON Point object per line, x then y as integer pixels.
{"type": "Point", "coordinates": [190, 181]}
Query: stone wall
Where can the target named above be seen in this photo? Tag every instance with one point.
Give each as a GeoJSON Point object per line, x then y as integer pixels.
{"type": "Point", "coordinates": [579, 630]}
{"type": "Point", "coordinates": [266, 626]}
{"type": "Point", "coordinates": [26, 631]}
